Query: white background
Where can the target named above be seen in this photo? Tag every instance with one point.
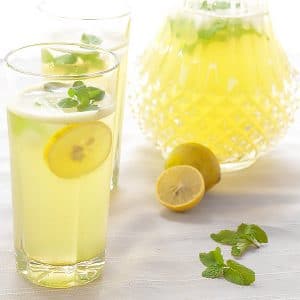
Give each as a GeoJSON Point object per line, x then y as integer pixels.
{"type": "Point", "coordinates": [152, 253]}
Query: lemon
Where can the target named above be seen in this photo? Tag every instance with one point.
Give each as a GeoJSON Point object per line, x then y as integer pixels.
{"type": "Point", "coordinates": [180, 188]}
{"type": "Point", "coordinates": [199, 157]}
{"type": "Point", "coordinates": [78, 149]}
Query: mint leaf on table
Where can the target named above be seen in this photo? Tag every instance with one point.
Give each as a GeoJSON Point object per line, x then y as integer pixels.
{"type": "Point", "coordinates": [213, 272]}
{"type": "Point", "coordinates": [82, 97]}
{"type": "Point", "coordinates": [212, 258]}
{"type": "Point", "coordinates": [214, 262]}
{"type": "Point", "coordinates": [90, 39]}
{"type": "Point", "coordinates": [238, 274]}
{"type": "Point", "coordinates": [240, 247]}
{"type": "Point", "coordinates": [225, 237]}
{"type": "Point", "coordinates": [255, 231]}
{"type": "Point", "coordinates": [231, 271]}
{"type": "Point", "coordinates": [245, 237]}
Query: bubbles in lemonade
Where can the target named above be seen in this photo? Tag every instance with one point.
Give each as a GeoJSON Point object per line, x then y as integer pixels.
{"type": "Point", "coordinates": [61, 161]}
{"type": "Point", "coordinates": [219, 80]}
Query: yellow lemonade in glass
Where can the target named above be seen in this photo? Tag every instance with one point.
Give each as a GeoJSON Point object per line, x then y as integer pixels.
{"type": "Point", "coordinates": [217, 78]}
{"type": "Point", "coordinates": [58, 220]}
{"type": "Point", "coordinates": [61, 134]}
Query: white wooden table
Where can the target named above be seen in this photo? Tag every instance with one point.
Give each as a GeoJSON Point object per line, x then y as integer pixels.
{"type": "Point", "coordinates": [153, 253]}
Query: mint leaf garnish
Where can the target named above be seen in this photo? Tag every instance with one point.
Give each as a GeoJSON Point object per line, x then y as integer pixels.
{"type": "Point", "coordinates": [246, 236]}
{"type": "Point", "coordinates": [47, 57]}
{"type": "Point", "coordinates": [231, 271]}
{"type": "Point", "coordinates": [53, 86]}
{"type": "Point", "coordinates": [66, 59]}
{"type": "Point", "coordinates": [67, 103]}
{"type": "Point", "coordinates": [73, 62]}
{"type": "Point", "coordinates": [238, 274]}
{"type": "Point", "coordinates": [90, 39]}
{"type": "Point", "coordinates": [217, 5]}
{"type": "Point", "coordinates": [82, 97]}
{"type": "Point", "coordinates": [95, 94]}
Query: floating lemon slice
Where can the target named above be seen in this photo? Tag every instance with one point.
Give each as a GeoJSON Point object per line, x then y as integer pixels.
{"type": "Point", "coordinates": [78, 149]}
{"type": "Point", "coordinates": [180, 188]}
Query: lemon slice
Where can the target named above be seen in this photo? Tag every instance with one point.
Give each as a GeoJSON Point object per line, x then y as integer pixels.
{"type": "Point", "coordinates": [78, 149]}
{"type": "Point", "coordinates": [180, 188]}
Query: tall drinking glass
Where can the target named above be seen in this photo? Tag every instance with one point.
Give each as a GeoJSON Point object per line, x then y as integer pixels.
{"type": "Point", "coordinates": [61, 119]}
{"type": "Point", "coordinates": [94, 22]}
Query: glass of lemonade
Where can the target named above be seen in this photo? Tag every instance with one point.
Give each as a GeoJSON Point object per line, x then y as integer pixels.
{"type": "Point", "coordinates": [95, 22]}
{"type": "Point", "coordinates": [61, 128]}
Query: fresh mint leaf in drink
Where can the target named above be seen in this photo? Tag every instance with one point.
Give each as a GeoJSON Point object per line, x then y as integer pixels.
{"type": "Point", "coordinates": [82, 97]}
{"type": "Point", "coordinates": [91, 39]}
{"type": "Point", "coordinates": [67, 103]}
{"type": "Point", "coordinates": [66, 59]}
{"type": "Point", "coordinates": [47, 57]}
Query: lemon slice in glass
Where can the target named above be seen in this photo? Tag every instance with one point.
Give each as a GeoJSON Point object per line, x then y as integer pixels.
{"type": "Point", "coordinates": [78, 149]}
{"type": "Point", "coordinates": [180, 188]}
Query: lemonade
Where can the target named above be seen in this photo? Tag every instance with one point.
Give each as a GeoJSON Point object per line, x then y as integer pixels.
{"type": "Point", "coordinates": [60, 219]}
{"type": "Point", "coordinates": [218, 78]}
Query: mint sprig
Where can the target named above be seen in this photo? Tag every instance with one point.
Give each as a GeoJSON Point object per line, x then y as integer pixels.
{"type": "Point", "coordinates": [72, 62]}
{"type": "Point", "coordinates": [245, 237]}
{"type": "Point", "coordinates": [82, 97]}
{"type": "Point", "coordinates": [231, 270]}
{"type": "Point", "coordinates": [91, 39]}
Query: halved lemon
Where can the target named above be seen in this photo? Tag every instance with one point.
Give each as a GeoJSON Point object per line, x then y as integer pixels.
{"type": "Point", "coordinates": [78, 149]}
{"type": "Point", "coordinates": [180, 188]}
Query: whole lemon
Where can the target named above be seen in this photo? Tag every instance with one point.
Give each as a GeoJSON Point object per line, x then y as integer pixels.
{"type": "Point", "coordinates": [199, 157]}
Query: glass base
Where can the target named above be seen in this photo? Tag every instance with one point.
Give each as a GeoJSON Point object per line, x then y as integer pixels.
{"type": "Point", "coordinates": [59, 276]}
{"type": "Point", "coordinates": [237, 166]}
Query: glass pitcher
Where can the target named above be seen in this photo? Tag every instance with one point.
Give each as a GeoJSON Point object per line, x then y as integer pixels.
{"type": "Point", "coordinates": [216, 75]}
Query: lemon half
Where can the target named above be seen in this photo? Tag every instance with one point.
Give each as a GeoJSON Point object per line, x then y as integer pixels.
{"type": "Point", "coordinates": [78, 149]}
{"type": "Point", "coordinates": [199, 157]}
{"type": "Point", "coordinates": [180, 188]}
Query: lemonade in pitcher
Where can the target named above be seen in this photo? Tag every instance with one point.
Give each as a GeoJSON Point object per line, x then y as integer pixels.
{"type": "Point", "coordinates": [216, 75]}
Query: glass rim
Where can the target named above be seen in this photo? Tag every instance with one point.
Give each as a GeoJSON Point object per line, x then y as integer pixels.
{"type": "Point", "coordinates": [108, 70]}
{"type": "Point", "coordinates": [41, 7]}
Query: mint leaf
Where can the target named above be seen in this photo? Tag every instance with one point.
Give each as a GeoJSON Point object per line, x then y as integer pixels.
{"type": "Point", "coordinates": [95, 93]}
{"type": "Point", "coordinates": [212, 258]}
{"type": "Point", "coordinates": [241, 247]}
{"type": "Point", "coordinates": [82, 107]}
{"type": "Point", "coordinates": [82, 97]}
{"type": "Point", "coordinates": [238, 274]}
{"type": "Point", "coordinates": [232, 271]}
{"type": "Point", "coordinates": [90, 39]}
{"type": "Point", "coordinates": [67, 103]}
{"type": "Point", "coordinates": [214, 271]}
{"type": "Point", "coordinates": [47, 57]}
{"type": "Point", "coordinates": [53, 86]}
{"type": "Point", "coordinates": [66, 59]}
{"type": "Point", "coordinates": [78, 83]}
{"type": "Point", "coordinates": [225, 237]}
{"type": "Point", "coordinates": [255, 231]}
{"type": "Point", "coordinates": [241, 240]}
